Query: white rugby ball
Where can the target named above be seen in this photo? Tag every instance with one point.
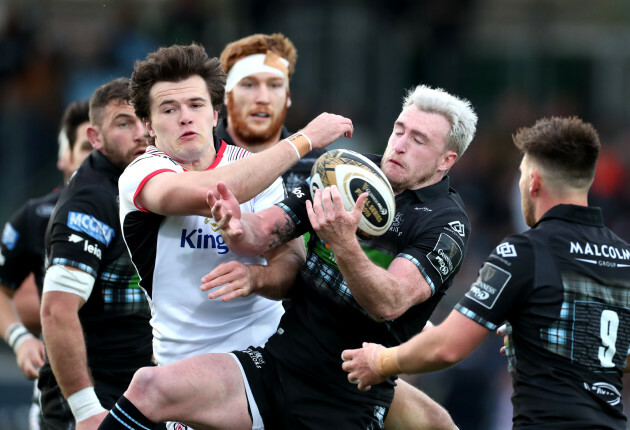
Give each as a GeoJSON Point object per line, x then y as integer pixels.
{"type": "Point", "coordinates": [354, 174]}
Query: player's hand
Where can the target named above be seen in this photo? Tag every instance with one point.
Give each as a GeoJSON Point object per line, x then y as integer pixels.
{"type": "Point", "coordinates": [30, 357]}
{"type": "Point", "coordinates": [326, 128]}
{"type": "Point", "coordinates": [93, 422]}
{"type": "Point", "coordinates": [361, 365]}
{"type": "Point", "coordinates": [235, 277]}
{"type": "Point", "coordinates": [502, 331]}
{"type": "Point", "coordinates": [225, 211]}
{"type": "Point", "coordinates": [329, 218]}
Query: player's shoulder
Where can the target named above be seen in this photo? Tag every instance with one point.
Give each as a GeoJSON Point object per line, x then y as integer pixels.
{"type": "Point", "coordinates": [514, 248]}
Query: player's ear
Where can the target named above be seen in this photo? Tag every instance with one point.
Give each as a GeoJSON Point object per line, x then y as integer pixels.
{"type": "Point", "coordinates": [448, 160]}
{"type": "Point", "coordinates": [288, 98]}
{"type": "Point", "coordinates": [149, 128]}
{"type": "Point", "coordinates": [535, 182]}
{"type": "Point", "coordinates": [94, 137]}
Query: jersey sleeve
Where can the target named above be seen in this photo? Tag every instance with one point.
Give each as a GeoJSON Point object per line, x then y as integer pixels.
{"type": "Point", "coordinates": [502, 283]}
{"type": "Point", "coordinates": [295, 206]}
{"type": "Point", "coordinates": [138, 173]}
{"type": "Point", "coordinates": [82, 228]}
{"type": "Point", "coordinates": [437, 247]}
{"type": "Point", "coordinates": [14, 250]}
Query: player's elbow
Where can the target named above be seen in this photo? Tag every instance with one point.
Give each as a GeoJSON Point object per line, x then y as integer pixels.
{"type": "Point", "coordinates": [381, 312]}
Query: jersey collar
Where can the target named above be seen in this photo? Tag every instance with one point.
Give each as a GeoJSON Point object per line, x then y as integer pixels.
{"type": "Point", "coordinates": [575, 213]}
{"type": "Point", "coordinates": [432, 192]}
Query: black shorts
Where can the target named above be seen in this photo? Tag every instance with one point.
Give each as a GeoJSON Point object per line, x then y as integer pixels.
{"type": "Point", "coordinates": [55, 411]}
{"type": "Point", "coordinates": [287, 401]}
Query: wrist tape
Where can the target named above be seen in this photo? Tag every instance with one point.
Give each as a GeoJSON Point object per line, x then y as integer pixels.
{"type": "Point", "coordinates": [387, 362]}
{"type": "Point", "coordinates": [85, 404]}
{"type": "Point", "coordinates": [16, 334]}
{"type": "Point", "coordinates": [300, 143]}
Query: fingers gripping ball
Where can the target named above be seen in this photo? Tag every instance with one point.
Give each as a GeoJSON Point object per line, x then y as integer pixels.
{"type": "Point", "coordinates": [354, 174]}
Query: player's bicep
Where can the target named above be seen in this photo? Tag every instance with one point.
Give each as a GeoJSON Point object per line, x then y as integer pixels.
{"type": "Point", "coordinates": [157, 192]}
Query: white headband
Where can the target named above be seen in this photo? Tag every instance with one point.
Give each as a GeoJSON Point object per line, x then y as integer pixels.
{"type": "Point", "coordinates": [256, 63]}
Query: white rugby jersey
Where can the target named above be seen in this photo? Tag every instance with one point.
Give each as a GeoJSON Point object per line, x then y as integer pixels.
{"type": "Point", "coordinates": [173, 253]}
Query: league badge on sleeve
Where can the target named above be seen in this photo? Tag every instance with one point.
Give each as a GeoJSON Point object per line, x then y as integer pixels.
{"type": "Point", "coordinates": [489, 284]}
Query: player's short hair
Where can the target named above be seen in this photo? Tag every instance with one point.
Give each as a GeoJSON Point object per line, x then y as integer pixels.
{"type": "Point", "coordinates": [116, 90]}
{"type": "Point", "coordinates": [567, 147]}
{"type": "Point", "coordinates": [173, 64]}
{"type": "Point", "coordinates": [259, 44]}
{"type": "Point", "coordinates": [458, 111]}
{"type": "Point", "coordinates": [75, 114]}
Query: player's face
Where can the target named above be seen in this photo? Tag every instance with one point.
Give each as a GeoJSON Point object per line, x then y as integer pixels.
{"type": "Point", "coordinates": [122, 134]}
{"type": "Point", "coordinates": [182, 119]}
{"type": "Point", "coordinates": [257, 107]}
{"type": "Point", "coordinates": [81, 147]}
{"type": "Point", "coordinates": [416, 154]}
{"type": "Point", "coordinates": [527, 206]}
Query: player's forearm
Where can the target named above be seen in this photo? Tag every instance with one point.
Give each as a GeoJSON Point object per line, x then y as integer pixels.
{"type": "Point", "coordinates": [8, 313]}
{"type": "Point", "coordinates": [251, 175]}
{"type": "Point", "coordinates": [275, 280]}
{"type": "Point", "coordinates": [66, 350]}
{"type": "Point", "coordinates": [174, 194]}
{"type": "Point", "coordinates": [262, 232]}
{"type": "Point", "coordinates": [376, 290]}
{"type": "Point", "coordinates": [425, 353]}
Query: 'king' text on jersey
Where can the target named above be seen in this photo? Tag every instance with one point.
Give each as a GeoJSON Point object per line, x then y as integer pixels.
{"type": "Point", "coordinates": [196, 239]}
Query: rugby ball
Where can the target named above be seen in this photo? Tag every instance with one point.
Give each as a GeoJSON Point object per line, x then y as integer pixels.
{"type": "Point", "coordinates": [354, 174]}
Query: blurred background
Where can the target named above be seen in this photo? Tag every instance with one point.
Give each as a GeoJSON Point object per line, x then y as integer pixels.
{"type": "Point", "coordinates": [515, 60]}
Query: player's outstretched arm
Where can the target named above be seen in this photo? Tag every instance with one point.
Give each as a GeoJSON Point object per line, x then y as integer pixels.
{"type": "Point", "coordinates": [429, 351]}
{"type": "Point", "coordinates": [249, 234]}
{"type": "Point", "coordinates": [185, 193]}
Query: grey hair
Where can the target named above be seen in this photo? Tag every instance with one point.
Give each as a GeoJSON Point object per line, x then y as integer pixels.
{"type": "Point", "coordinates": [459, 113]}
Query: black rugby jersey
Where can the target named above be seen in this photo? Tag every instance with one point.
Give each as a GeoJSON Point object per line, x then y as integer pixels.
{"type": "Point", "coordinates": [564, 289]}
{"type": "Point", "coordinates": [84, 233]}
{"type": "Point", "coordinates": [293, 177]}
{"type": "Point", "coordinates": [22, 247]}
{"type": "Point", "coordinates": [430, 229]}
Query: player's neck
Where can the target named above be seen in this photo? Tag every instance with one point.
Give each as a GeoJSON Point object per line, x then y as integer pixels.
{"type": "Point", "coordinates": [252, 147]}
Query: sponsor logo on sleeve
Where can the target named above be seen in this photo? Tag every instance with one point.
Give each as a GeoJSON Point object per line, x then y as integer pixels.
{"type": "Point", "coordinates": [44, 210]}
{"type": "Point", "coordinates": [87, 246]}
{"type": "Point", "coordinates": [298, 192]}
{"type": "Point", "coordinates": [506, 249]}
{"type": "Point", "coordinates": [74, 238]}
{"type": "Point", "coordinates": [489, 285]}
{"type": "Point", "coordinates": [10, 236]}
{"type": "Point", "coordinates": [91, 226]}
{"type": "Point", "coordinates": [446, 256]}
{"type": "Point", "coordinates": [458, 228]}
